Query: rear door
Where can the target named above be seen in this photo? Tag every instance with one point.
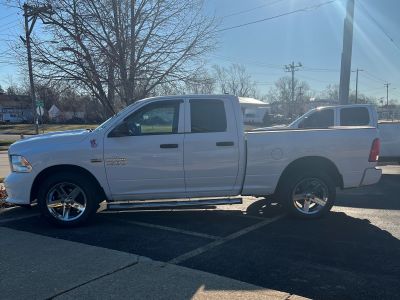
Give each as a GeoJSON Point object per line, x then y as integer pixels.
{"type": "Point", "coordinates": [354, 116]}
{"type": "Point", "coordinates": [211, 155]}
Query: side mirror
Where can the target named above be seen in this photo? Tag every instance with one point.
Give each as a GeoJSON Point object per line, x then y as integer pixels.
{"type": "Point", "coordinates": [120, 131]}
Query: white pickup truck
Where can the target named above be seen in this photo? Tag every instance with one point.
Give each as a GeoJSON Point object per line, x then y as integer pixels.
{"type": "Point", "coordinates": [166, 151]}
{"type": "Point", "coordinates": [351, 115]}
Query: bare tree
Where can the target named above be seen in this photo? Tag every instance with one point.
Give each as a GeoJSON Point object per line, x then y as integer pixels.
{"type": "Point", "coordinates": [235, 80]}
{"type": "Point", "coordinates": [281, 93]}
{"type": "Point", "coordinates": [122, 49]}
{"type": "Point", "coordinates": [200, 83]}
{"type": "Point", "coordinates": [331, 92]}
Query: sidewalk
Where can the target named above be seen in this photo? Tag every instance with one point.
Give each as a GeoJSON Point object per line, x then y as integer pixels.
{"type": "Point", "coordinates": [4, 164]}
{"type": "Point", "coordinates": [38, 267]}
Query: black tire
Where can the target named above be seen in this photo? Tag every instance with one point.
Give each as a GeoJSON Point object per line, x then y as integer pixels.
{"type": "Point", "coordinates": [293, 184]}
{"type": "Point", "coordinates": [88, 196]}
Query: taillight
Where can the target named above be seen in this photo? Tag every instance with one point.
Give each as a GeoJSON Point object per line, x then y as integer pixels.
{"type": "Point", "coordinates": [375, 148]}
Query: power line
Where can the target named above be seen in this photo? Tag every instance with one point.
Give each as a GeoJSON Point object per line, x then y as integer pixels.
{"type": "Point", "coordinates": [271, 66]}
{"type": "Point", "coordinates": [9, 23]}
{"type": "Point", "coordinates": [374, 77]}
{"type": "Point", "coordinates": [316, 6]}
{"type": "Point", "coordinates": [8, 63]}
{"type": "Point", "coordinates": [251, 9]}
{"type": "Point", "coordinates": [380, 27]}
{"type": "Point", "coordinates": [314, 79]}
{"type": "Point", "coordinates": [9, 28]}
{"type": "Point", "coordinates": [321, 70]}
{"type": "Point", "coordinates": [252, 62]}
{"type": "Point", "coordinates": [263, 83]}
{"type": "Point", "coordinates": [374, 90]}
{"type": "Point", "coordinates": [12, 14]}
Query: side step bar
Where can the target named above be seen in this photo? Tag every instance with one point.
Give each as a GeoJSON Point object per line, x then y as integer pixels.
{"type": "Point", "coordinates": [167, 203]}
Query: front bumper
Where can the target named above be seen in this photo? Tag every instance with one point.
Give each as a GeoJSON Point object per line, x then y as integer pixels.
{"type": "Point", "coordinates": [18, 187]}
{"type": "Point", "coordinates": [371, 176]}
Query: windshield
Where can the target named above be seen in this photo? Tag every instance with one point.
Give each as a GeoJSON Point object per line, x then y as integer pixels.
{"type": "Point", "coordinates": [296, 120]}
{"type": "Point", "coordinates": [106, 123]}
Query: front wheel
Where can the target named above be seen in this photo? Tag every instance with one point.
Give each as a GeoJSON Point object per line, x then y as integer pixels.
{"type": "Point", "coordinates": [67, 199]}
{"type": "Point", "coordinates": [308, 195]}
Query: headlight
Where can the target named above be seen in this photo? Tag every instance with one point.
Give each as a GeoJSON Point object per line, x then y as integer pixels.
{"type": "Point", "coordinates": [20, 164]}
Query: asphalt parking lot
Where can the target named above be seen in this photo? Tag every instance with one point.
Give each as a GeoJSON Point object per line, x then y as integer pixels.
{"type": "Point", "coordinates": [354, 252]}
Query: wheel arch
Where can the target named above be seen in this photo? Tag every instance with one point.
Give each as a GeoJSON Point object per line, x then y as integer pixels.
{"type": "Point", "coordinates": [63, 168]}
{"type": "Point", "coordinates": [311, 163]}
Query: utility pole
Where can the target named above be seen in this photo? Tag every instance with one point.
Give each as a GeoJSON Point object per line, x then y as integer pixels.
{"type": "Point", "coordinates": [346, 54]}
{"type": "Point", "coordinates": [358, 70]}
{"type": "Point", "coordinates": [292, 68]}
{"type": "Point", "coordinates": [387, 93]}
{"type": "Point", "coordinates": [31, 14]}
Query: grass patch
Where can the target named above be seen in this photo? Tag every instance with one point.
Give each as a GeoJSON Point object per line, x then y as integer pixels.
{"type": "Point", "coordinates": [5, 144]}
{"type": "Point", "coordinates": [30, 128]}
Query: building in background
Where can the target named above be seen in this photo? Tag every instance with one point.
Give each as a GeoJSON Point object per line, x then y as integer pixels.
{"type": "Point", "coordinates": [15, 109]}
{"type": "Point", "coordinates": [254, 110]}
{"type": "Point", "coordinates": [56, 115]}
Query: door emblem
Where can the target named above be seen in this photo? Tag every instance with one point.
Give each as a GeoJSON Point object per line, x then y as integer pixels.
{"type": "Point", "coordinates": [116, 161]}
{"type": "Point", "coordinates": [93, 143]}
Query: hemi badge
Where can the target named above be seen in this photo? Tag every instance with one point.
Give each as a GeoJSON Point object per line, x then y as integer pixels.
{"type": "Point", "coordinates": [96, 160]}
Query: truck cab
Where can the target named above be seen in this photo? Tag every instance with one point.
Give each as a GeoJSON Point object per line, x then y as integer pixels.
{"type": "Point", "coordinates": [341, 115]}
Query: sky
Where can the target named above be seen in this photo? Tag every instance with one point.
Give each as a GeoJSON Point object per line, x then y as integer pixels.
{"type": "Point", "coordinates": [312, 37]}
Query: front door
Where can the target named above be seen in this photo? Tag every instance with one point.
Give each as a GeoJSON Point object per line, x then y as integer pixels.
{"type": "Point", "coordinates": [144, 154]}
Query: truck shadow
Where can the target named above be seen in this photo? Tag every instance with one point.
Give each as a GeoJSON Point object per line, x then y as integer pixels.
{"type": "Point", "coordinates": [335, 257]}
{"type": "Point", "coordinates": [266, 207]}
{"type": "Point", "coordinates": [338, 256]}
{"type": "Point", "coordinates": [383, 195]}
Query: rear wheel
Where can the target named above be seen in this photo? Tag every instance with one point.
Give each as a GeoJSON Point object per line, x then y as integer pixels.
{"type": "Point", "coordinates": [67, 199]}
{"type": "Point", "coordinates": [308, 195]}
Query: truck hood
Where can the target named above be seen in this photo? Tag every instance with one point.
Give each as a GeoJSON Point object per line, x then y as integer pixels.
{"type": "Point", "coordinates": [59, 137]}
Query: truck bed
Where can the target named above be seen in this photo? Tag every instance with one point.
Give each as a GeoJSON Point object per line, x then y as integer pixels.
{"type": "Point", "coordinates": [270, 152]}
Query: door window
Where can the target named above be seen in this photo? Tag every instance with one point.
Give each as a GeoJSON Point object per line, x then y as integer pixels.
{"type": "Point", "coordinates": [323, 118]}
{"type": "Point", "coordinates": [207, 116]}
{"type": "Point", "coordinates": [152, 119]}
{"type": "Point", "coordinates": [354, 116]}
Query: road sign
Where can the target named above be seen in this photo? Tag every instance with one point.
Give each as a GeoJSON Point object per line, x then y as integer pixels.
{"type": "Point", "coordinates": [40, 110]}
{"type": "Point", "coordinates": [39, 103]}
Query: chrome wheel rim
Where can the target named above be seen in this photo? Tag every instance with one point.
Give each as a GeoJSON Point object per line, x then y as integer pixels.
{"type": "Point", "coordinates": [66, 201]}
{"type": "Point", "coordinates": [310, 195]}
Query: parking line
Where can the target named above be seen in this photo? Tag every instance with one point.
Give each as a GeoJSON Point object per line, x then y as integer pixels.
{"type": "Point", "coordinates": [6, 220]}
{"type": "Point", "coordinates": [193, 233]}
{"type": "Point", "coordinates": [243, 215]}
{"type": "Point", "coordinates": [220, 241]}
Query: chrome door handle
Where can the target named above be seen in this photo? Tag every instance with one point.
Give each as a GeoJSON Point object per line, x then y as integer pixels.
{"type": "Point", "coordinates": [168, 146]}
{"type": "Point", "coordinates": [224, 144]}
